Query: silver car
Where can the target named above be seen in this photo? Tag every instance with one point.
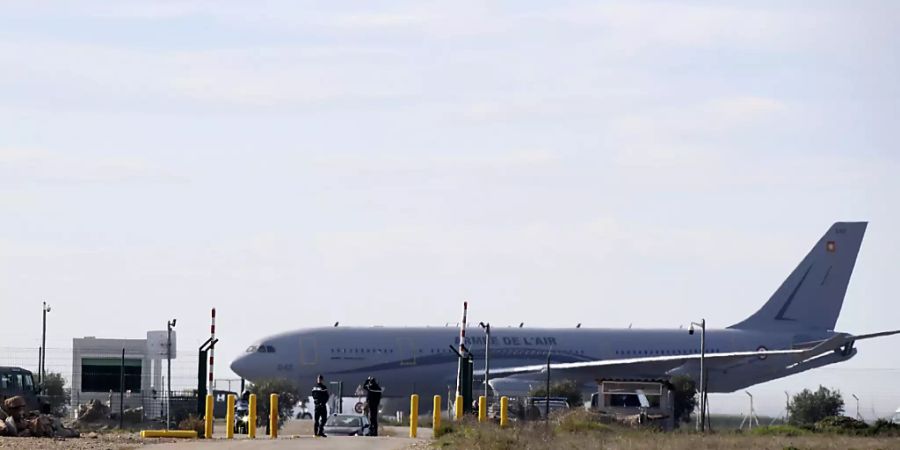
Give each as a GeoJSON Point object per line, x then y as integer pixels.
{"type": "Point", "coordinates": [347, 425]}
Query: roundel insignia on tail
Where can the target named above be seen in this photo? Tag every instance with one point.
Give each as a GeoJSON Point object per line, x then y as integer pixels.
{"type": "Point", "coordinates": [762, 348]}
{"type": "Point", "coordinates": [830, 247]}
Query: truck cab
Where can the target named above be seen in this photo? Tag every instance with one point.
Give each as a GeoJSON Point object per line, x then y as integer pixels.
{"type": "Point", "coordinates": [18, 381]}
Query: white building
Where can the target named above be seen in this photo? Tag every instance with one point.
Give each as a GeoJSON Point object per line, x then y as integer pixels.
{"type": "Point", "coordinates": [98, 367]}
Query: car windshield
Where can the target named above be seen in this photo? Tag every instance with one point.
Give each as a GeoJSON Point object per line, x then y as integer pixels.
{"type": "Point", "coordinates": [343, 421]}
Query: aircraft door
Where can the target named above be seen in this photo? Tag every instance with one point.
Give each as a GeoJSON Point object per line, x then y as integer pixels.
{"type": "Point", "coordinates": [309, 351]}
{"type": "Point", "coordinates": [407, 349]}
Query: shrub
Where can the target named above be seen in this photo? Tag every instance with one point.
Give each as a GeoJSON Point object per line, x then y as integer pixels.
{"type": "Point", "coordinates": [779, 430]}
{"type": "Point", "coordinates": [194, 423]}
{"type": "Point", "coordinates": [842, 425]}
{"type": "Point", "coordinates": [566, 388]}
{"type": "Point", "coordinates": [580, 421]}
{"type": "Point", "coordinates": [884, 427]}
{"type": "Point", "coordinates": [810, 407]}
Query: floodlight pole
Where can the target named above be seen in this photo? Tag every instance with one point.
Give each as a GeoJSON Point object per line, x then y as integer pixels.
{"type": "Point", "coordinates": [487, 355]}
{"type": "Point", "coordinates": [42, 372]}
{"type": "Point", "coordinates": [169, 325]}
{"type": "Point", "coordinates": [701, 423]}
{"type": "Point", "coordinates": [547, 398]}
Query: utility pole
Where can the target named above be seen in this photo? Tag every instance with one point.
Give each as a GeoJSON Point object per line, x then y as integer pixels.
{"type": "Point", "coordinates": [169, 325]}
{"type": "Point", "coordinates": [487, 355]}
{"type": "Point", "coordinates": [43, 363]}
{"type": "Point", "coordinates": [701, 423]}
{"type": "Point", "coordinates": [858, 416]}
{"type": "Point", "coordinates": [547, 398]}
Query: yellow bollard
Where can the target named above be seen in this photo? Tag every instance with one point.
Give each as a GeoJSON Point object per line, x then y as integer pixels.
{"type": "Point", "coordinates": [459, 407]}
{"type": "Point", "coordinates": [251, 416]}
{"type": "Point", "coordinates": [504, 411]}
{"type": "Point", "coordinates": [208, 428]}
{"type": "Point", "coordinates": [413, 415]}
{"type": "Point", "coordinates": [229, 417]}
{"type": "Point", "coordinates": [273, 416]}
{"type": "Point", "coordinates": [436, 416]}
{"type": "Point", "coordinates": [482, 408]}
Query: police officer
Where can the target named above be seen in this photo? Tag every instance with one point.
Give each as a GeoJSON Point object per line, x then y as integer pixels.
{"type": "Point", "coordinates": [320, 398]}
{"type": "Point", "coordinates": [373, 397]}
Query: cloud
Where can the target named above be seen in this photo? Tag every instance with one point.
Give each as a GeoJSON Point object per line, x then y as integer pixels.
{"type": "Point", "coordinates": [19, 165]}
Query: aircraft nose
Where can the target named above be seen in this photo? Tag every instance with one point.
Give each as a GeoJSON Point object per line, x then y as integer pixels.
{"type": "Point", "coordinates": [242, 366]}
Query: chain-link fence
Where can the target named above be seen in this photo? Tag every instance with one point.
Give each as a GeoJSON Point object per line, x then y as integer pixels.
{"type": "Point", "coordinates": [127, 379]}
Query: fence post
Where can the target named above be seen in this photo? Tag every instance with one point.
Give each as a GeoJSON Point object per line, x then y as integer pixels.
{"type": "Point", "coordinates": [436, 416]}
{"type": "Point", "coordinates": [208, 429]}
{"type": "Point", "coordinates": [229, 417]}
{"type": "Point", "coordinates": [504, 411]}
{"type": "Point", "coordinates": [413, 415]}
{"type": "Point", "coordinates": [273, 416]}
{"type": "Point", "coordinates": [251, 417]}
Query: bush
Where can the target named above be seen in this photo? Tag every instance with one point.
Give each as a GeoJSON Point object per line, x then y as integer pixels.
{"type": "Point", "coordinates": [580, 421]}
{"type": "Point", "coordinates": [288, 396]}
{"type": "Point", "coordinates": [566, 388]}
{"type": "Point", "coordinates": [884, 427]}
{"type": "Point", "coordinates": [809, 407]}
{"type": "Point", "coordinates": [842, 425]}
{"type": "Point", "coordinates": [684, 397]}
{"type": "Point", "coordinates": [194, 423]}
{"type": "Point", "coordinates": [779, 430]}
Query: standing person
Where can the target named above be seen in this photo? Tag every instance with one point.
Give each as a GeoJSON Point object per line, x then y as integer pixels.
{"type": "Point", "coordinates": [320, 398]}
{"type": "Point", "coordinates": [373, 397]}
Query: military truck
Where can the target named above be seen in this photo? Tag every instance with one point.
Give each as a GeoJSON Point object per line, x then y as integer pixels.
{"type": "Point", "coordinates": [18, 381]}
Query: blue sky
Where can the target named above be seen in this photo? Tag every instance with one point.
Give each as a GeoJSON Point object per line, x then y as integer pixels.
{"type": "Point", "coordinates": [300, 163]}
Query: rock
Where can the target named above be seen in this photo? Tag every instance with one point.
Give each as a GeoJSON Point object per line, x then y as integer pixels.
{"type": "Point", "coordinates": [93, 411]}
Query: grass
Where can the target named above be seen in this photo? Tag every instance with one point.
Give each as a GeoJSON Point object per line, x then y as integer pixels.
{"type": "Point", "coordinates": [579, 430]}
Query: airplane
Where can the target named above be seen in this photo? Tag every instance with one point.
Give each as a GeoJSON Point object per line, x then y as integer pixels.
{"type": "Point", "coordinates": [791, 333]}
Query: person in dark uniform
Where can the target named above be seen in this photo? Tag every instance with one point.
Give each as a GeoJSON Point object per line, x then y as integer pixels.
{"type": "Point", "coordinates": [373, 398]}
{"type": "Point", "coordinates": [320, 398]}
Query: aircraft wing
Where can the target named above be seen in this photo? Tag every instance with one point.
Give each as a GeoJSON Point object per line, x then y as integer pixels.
{"type": "Point", "coordinates": [655, 366]}
{"type": "Point", "coordinates": [650, 365]}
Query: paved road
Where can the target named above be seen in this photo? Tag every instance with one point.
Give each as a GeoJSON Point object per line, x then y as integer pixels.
{"type": "Point", "coordinates": [298, 435]}
{"type": "Point", "coordinates": [342, 443]}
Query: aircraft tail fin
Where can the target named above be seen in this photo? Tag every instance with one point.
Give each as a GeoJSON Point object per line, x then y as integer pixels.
{"type": "Point", "coordinates": [812, 295]}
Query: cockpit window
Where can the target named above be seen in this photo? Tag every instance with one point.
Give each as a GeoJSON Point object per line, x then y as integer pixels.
{"type": "Point", "coordinates": [270, 349]}
{"type": "Point", "coordinates": [251, 349]}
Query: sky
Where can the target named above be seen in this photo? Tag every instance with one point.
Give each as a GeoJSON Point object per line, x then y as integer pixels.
{"type": "Point", "coordinates": [294, 164]}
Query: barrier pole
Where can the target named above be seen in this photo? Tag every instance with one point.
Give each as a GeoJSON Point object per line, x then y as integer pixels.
{"type": "Point", "coordinates": [273, 416]}
{"type": "Point", "coordinates": [413, 415]}
{"type": "Point", "coordinates": [229, 417]}
{"type": "Point", "coordinates": [208, 428]}
{"type": "Point", "coordinates": [436, 416]}
{"type": "Point", "coordinates": [458, 406]}
{"type": "Point", "coordinates": [504, 411]}
{"type": "Point", "coordinates": [251, 416]}
{"type": "Point", "coordinates": [482, 408]}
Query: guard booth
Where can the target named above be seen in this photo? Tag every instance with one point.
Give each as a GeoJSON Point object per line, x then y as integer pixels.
{"type": "Point", "coordinates": [637, 402]}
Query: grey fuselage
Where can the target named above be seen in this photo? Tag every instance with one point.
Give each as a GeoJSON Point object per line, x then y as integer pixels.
{"type": "Point", "coordinates": [420, 360]}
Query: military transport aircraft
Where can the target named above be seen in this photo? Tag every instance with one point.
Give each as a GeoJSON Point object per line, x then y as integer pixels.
{"type": "Point", "coordinates": [791, 333]}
